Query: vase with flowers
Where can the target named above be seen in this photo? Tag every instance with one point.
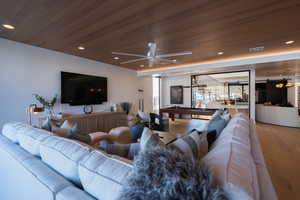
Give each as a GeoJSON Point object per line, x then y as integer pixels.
{"type": "Point", "coordinates": [47, 104]}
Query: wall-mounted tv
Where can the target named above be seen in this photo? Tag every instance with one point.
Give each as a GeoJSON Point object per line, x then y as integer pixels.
{"type": "Point", "coordinates": [80, 89]}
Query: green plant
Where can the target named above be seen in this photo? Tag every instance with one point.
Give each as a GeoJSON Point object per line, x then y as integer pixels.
{"type": "Point", "coordinates": [137, 121]}
{"type": "Point", "coordinates": [46, 104]}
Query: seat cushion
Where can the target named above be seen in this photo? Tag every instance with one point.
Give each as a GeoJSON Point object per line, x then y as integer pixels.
{"type": "Point", "coordinates": [73, 193]}
{"type": "Point", "coordinates": [63, 155]}
{"type": "Point", "coordinates": [231, 159]}
{"type": "Point", "coordinates": [11, 130]}
{"type": "Point", "coordinates": [192, 145]}
{"type": "Point", "coordinates": [31, 138]}
{"type": "Point", "coordinates": [103, 176]}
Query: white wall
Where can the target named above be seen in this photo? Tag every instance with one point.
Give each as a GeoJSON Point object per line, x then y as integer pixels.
{"type": "Point", "coordinates": [145, 83]}
{"type": "Point", "coordinates": [25, 70]}
{"type": "Point", "coordinates": [167, 82]}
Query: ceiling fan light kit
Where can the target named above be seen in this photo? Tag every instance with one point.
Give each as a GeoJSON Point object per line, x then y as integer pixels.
{"type": "Point", "coordinates": [152, 56]}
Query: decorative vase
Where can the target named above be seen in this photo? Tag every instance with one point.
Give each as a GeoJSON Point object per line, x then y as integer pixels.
{"type": "Point", "coordinates": [50, 113]}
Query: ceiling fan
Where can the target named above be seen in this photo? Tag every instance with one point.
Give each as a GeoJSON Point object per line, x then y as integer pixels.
{"type": "Point", "coordinates": [152, 56]}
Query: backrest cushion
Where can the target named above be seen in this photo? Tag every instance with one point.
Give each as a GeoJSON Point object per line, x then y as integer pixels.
{"type": "Point", "coordinates": [192, 145]}
{"type": "Point", "coordinates": [231, 160]}
{"type": "Point", "coordinates": [217, 124]}
{"type": "Point", "coordinates": [103, 176]}
{"type": "Point", "coordinates": [149, 139]}
{"type": "Point", "coordinates": [144, 116]}
{"type": "Point", "coordinates": [63, 155]}
{"type": "Point", "coordinates": [30, 139]}
{"type": "Point", "coordinates": [10, 130]}
{"type": "Point", "coordinates": [67, 129]}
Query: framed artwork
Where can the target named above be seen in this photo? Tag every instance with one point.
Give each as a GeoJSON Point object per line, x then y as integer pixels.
{"type": "Point", "coordinates": [176, 95]}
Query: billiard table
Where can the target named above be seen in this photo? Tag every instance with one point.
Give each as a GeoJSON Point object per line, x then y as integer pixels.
{"type": "Point", "coordinates": [172, 111]}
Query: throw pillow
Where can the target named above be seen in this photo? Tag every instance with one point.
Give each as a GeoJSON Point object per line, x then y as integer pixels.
{"type": "Point", "coordinates": [144, 116]}
{"type": "Point", "coordinates": [216, 115]}
{"type": "Point", "coordinates": [67, 129]}
{"type": "Point", "coordinates": [193, 145]}
{"type": "Point", "coordinates": [218, 124]}
{"type": "Point", "coordinates": [128, 151]}
{"type": "Point", "coordinates": [149, 139]}
{"type": "Point", "coordinates": [136, 131]}
{"type": "Point", "coordinates": [46, 125]}
{"type": "Point", "coordinates": [160, 173]}
{"type": "Point", "coordinates": [226, 116]}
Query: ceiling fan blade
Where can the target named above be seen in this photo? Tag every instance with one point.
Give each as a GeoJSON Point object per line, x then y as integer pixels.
{"type": "Point", "coordinates": [128, 54]}
{"type": "Point", "coordinates": [174, 54]}
{"type": "Point", "coordinates": [132, 61]}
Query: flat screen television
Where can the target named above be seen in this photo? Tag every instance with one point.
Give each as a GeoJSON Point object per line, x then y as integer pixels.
{"type": "Point", "coordinates": [80, 89]}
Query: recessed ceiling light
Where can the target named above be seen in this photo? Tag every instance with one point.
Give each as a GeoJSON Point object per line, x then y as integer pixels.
{"type": "Point", "coordinates": [289, 42]}
{"type": "Point", "coordinates": [220, 53]}
{"type": "Point", "coordinates": [116, 58]}
{"type": "Point", "coordinates": [8, 26]}
{"type": "Point", "coordinates": [81, 48]}
{"type": "Point", "coordinates": [142, 65]}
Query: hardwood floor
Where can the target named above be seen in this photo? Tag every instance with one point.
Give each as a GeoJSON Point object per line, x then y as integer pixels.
{"type": "Point", "coordinates": [281, 149]}
{"type": "Point", "coordinates": [180, 126]}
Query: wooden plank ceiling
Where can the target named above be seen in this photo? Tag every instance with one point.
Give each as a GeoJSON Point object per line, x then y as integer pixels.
{"type": "Point", "coordinates": [205, 27]}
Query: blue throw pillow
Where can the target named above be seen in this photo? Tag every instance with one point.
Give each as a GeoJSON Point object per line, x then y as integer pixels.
{"type": "Point", "coordinates": [136, 131]}
{"type": "Point", "coordinates": [216, 125]}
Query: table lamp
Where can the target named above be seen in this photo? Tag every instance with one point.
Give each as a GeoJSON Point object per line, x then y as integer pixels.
{"type": "Point", "coordinates": [33, 110]}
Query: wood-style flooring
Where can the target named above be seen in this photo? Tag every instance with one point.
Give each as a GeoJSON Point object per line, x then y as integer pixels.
{"type": "Point", "coordinates": [281, 149]}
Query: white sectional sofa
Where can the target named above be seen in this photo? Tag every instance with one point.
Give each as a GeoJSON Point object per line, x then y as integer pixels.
{"type": "Point", "coordinates": [35, 164]}
{"type": "Point", "coordinates": [237, 161]}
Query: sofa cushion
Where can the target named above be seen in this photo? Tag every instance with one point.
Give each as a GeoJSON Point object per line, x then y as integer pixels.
{"type": "Point", "coordinates": [14, 150]}
{"type": "Point", "coordinates": [121, 135]}
{"type": "Point", "coordinates": [31, 138]}
{"type": "Point", "coordinates": [46, 176]}
{"type": "Point", "coordinates": [217, 124]}
{"type": "Point", "coordinates": [149, 139]}
{"type": "Point", "coordinates": [231, 160]}
{"type": "Point", "coordinates": [103, 176]}
{"type": "Point", "coordinates": [73, 193]}
{"type": "Point", "coordinates": [63, 155]}
{"type": "Point", "coordinates": [162, 174]}
{"type": "Point", "coordinates": [24, 176]}
{"type": "Point", "coordinates": [136, 131]}
{"type": "Point", "coordinates": [267, 190]}
{"type": "Point", "coordinates": [11, 130]}
{"type": "Point", "coordinates": [192, 145]}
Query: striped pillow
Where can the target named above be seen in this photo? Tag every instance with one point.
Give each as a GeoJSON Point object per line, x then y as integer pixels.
{"type": "Point", "coordinates": [192, 145]}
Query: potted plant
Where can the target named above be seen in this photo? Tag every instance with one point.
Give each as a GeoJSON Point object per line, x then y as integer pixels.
{"type": "Point", "coordinates": [47, 104]}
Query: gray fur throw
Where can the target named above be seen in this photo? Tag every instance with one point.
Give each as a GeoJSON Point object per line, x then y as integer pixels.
{"type": "Point", "coordinates": [163, 174]}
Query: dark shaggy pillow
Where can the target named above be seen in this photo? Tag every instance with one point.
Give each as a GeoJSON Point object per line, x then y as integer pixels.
{"type": "Point", "coordinates": [162, 174]}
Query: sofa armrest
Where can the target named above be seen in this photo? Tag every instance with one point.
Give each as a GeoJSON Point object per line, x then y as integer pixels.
{"type": "Point", "coordinates": [93, 138]}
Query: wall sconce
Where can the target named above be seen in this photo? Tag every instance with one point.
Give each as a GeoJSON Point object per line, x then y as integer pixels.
{"type": "Point", "coordinates": [33, 110]}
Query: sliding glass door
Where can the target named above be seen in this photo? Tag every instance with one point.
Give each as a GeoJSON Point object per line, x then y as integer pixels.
{"type": "Point", "coordinates": [221, 91]}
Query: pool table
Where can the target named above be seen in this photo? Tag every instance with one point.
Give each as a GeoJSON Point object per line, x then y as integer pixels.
{"type": "Point", "coordinates": [172, 111]}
